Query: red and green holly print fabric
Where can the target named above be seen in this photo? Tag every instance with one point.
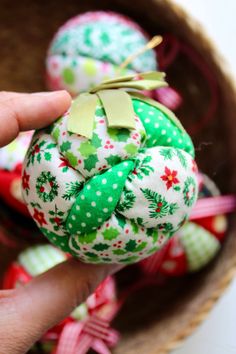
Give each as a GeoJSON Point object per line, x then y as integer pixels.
{"type": "Point", "coordinates": [114, 198]}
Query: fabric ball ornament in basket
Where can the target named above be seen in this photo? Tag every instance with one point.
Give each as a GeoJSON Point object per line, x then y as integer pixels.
{"type": "Point", "coordinates": [115, 177]}
{"type": "Point", "coordinates": [90, 48]}
{"type": "Point", "coordinates": [88, 326]}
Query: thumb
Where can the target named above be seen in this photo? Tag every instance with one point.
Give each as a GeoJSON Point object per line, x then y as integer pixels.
{"type": "Point", "coordinates": [28, 312]}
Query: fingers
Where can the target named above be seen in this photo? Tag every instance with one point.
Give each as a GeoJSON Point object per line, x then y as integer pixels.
{"type": "Point", "coordinates": [31, 310]}
{"type": "Point", "coordinates": [20, 112]}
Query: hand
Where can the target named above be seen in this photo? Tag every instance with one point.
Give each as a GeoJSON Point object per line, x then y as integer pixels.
{"type": "Point", "coordinates": [29, 311]}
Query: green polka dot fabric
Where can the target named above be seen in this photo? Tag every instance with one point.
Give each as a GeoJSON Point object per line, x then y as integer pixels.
{"type": "Point", "coordinates": [90, 47]}
{"type": "Point", "coordinates": [199, 244]}
{"type": "Point", "coordinates": [117, 197]}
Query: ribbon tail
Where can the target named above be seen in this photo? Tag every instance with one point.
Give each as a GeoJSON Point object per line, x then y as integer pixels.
{"type": "Point", "coordinates": [118, 107]}
{"type": "Point", "coordinates": [68, 341]}
{"type": "Point", "coordinates": [100, 347]}
{"type": "Point", "coordinates": [81, 117]}
{"type": "Point", "coordinates": [83, 344]}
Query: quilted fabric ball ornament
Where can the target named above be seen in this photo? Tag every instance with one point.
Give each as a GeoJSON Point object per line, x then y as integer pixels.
{"type": "Point", "coordinates": [11, 159]}
{"type": "Point", "coordinates": [114, 178]}
{"type": "Point", "coordinates": [197, 242]}
{"type": "Point", "coordinates": [90, 48]}
{"type": "Point", "coordinates": [83, 328]}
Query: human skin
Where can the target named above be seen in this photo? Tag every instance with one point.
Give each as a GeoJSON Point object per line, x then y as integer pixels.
{"type": "Point", "coordinates": [29, 311]}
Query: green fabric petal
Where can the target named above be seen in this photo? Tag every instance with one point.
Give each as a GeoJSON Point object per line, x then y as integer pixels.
{"type": "Point", "coordinates": [160, 130]}
{"type": "Point", "coordinates": [98, 199]}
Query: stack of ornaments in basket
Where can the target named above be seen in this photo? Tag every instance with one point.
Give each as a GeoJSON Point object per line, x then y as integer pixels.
{"type": "Point", "coordinates": [110, 182]}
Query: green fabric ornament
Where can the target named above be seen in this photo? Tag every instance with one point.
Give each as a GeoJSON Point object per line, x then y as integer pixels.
{"type": "Point", "coordinates": [90, 48]}
{"type": "Point", "coordinates": [110, 190]}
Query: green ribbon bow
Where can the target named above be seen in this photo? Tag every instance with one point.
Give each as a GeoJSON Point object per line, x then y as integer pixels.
{"type": "Point", "coordinates": [116, 103]}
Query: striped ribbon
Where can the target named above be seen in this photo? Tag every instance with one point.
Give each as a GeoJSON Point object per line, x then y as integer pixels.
{"type": "Point", "coordinates": [211, 206]}
{"type": "Point", "coordinates": [94, 333]}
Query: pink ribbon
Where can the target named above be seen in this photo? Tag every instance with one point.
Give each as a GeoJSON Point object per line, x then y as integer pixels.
{"type": "Point", "coordinates": [211, 206]}
{"type": "Point", "coordinates": [95, 332]}
{"type": "Point", "coordinates": [169, 97]}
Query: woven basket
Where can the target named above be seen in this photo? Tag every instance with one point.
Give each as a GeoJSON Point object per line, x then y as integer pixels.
{"type": "Point", "coordinates": [171, 312]}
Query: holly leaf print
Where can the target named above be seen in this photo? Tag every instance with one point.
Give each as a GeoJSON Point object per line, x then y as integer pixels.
{"type": "Point", "coordinates": [42, 143]}
{"type": "Point", "coordinates": [130, 245]}
{"type": "Point", "coordinates": [158, 206]}
{"type": "Point", "coordinates": [121, 220]}
{"type": "Point", "coordinates": [140, 221]}
{"type": "Point", "coordinates": [65, 146]}
{"type": "Point", "coordinates": [71, 158]}
{"type": "Point", "coordinates": [56, 134]}
{"type": "Point", "coordinates": [135, 227]}
{"type": "Point", "coordinates": [87, 149]}
{"type": "Point", "coordinates": [110, 233]}
{"type": "Point", "coordinates": [119, 252]}
{"type": "Point", "coordinates": [131, 149]}
{"type": "Point", "coordinates": [100, 247]}
{"type": "Point", "coordinates": [119, 134]}
{"type": "Point", "coordinates": [38, 157]}
{"type": "Point", "coordinates": [113, 160]}
{"type": "Point", "coordinates": [47, 156]}
{"type": "Point", "coordinates": [140, 247]}
{"type": "Point", "coordinates": [87, 238]}
{"type": "Point", "coordinates": [154, 236]}
{"type": "Point", "coordinates": [91, 255]}
{"type": "Point", "coordinates": [96, 141]}
{"type": "Point", "coordinates": [100, 112]}
{"type": "Point", "coordinates": [90, 162]}
{"type": "Point", "coordinates": [50, 146]}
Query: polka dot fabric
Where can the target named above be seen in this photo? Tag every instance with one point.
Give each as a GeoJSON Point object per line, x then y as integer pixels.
{"type": "Point", "coordinates": [117, 197]}
{"type": "Point", "coordinates": [90, 47]}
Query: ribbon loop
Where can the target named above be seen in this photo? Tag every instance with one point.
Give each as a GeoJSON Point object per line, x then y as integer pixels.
{"type": "Point", "coordinates": [144, 81]}
{"type": "Point", "coordinates": [81, 118]}
{"type": "Point", "coordinates": [117, 103]}
{"type": "Point", "coordinates": [118, 107]}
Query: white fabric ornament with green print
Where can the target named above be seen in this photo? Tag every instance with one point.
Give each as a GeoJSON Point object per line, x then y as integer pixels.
{"type": "Point", "coordinates": [114, 178]}
{"type": "Point", "coordinates": [90, 48]}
